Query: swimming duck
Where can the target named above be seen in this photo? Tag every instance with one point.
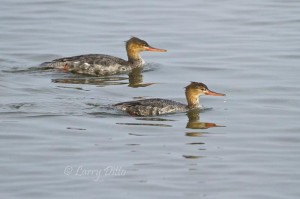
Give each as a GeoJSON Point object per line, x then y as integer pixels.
{"type": "Point", "coordinates": [100, 64]}
{"type": "Point", "coordinates": [157, 106]}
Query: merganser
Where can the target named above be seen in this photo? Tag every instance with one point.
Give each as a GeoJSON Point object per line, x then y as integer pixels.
{"type": "Point", "coordinates": [99, 64]}
{"type": "Point", "coordinates": [157, 106]}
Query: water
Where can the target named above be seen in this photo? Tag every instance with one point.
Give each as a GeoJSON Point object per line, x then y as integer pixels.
{"type": "Point", "coordinates": [59, 139]}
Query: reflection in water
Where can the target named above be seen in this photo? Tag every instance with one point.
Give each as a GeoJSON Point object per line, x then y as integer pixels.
{"type": "Point", "coordinates": [133, 144]}
{"type": "Point", "coordinates": [194, 134]}
{"type": "Point", "coordinates": [17, 106]}
{"type": "Point", "coordinates": [28, 70]}
{"type": "Point", "coordinates": [154, 119]}
{"type": "Point", "coordinates": [135, 80]}
{"type": "Point", "coordinates": [145, 124]}
{"type": "Point", "coordinates": [150, 124]}
{"type": "Point", "coordinates": [74, 128]}
{"type": "Point", "coordinates": [191, 156]}
{"type": "Point", "coordinates": [100, 81]}
{"type": "Point", "coordinates": [194, 121]}
{"type": "Point", "coordinates": [76, 88]}
{"type": "Point", "coordinates": [195, 143]}
{"type": "Point", "coordinates": [135, 134]}
{"type": "Point", "coordinates": [135, 77]}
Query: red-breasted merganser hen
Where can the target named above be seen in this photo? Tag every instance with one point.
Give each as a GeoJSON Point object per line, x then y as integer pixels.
{"type": "Point", "coordinates": [156, 106]}
{"type": "Point", "coordinates": [99, 64]}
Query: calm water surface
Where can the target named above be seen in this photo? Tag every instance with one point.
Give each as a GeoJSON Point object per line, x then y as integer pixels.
{"type": "Point", "coordinates": [59, 139]}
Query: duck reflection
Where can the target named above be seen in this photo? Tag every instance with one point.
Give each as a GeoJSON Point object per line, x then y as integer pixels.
{"type": "Point", "coordinates": [135, 80]}
{"type": "Point", "coordinates": [150, 120]}
{"type": "Point", "coordinates": [192, 156]}
{"type": "Point", "coordinates": [194, 121]}
{"type": "Point", "coordinates": [100, 81]}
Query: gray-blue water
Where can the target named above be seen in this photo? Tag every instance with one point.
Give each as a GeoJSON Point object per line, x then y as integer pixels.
{"type": "Point", "coordinates": [59, 141]}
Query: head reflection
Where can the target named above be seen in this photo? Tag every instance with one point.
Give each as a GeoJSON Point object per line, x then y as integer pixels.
{"type": "Point", "coordinates": [136, 78]}
{"type": "Point", "coordinates": [194, 121]}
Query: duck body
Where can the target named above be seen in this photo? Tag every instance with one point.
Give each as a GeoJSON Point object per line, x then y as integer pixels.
{"type": "Point", "coordinates": [151, 107]}
{"type": "Point", "coordinates": [93, 64]}
{"type": "Point", "coordinates": [101, 64]}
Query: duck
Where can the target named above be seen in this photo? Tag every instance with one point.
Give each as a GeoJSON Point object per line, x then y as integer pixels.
{"type": "Point", "coordinates": [101, 64]}
{"type": "Point", "coordinates": [158, 106]}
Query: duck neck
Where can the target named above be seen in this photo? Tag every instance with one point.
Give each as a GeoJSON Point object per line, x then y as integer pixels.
{"type": "Point", "coordinates": [192, 99]}
{"type": "Point", "coordinates": [134, 57]}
